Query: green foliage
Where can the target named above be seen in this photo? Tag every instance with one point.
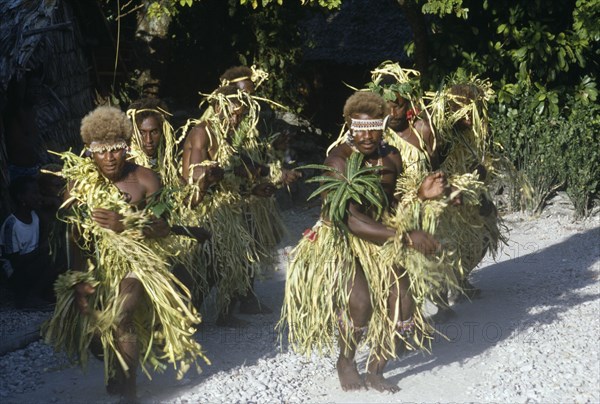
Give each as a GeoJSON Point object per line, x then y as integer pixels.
{"type": "Point", "coordinates": [553, 152]}
{"type": "Point", "coordinates": [330, 4]}
{"type": "Point", "coordinates": [582, 156]}
{"type": "Point", "coordinates": [585, 19]}
{"type": "Point", "coordinates": [276, 48]}
{"type": "Point", "coordinates": [159, 8]}
{"type": "Point", "coordinates": [357, 183]}
{"type": "Point", "coordinates": [444, 7]}
{"type": "Point", "coordinates": [537, 47]}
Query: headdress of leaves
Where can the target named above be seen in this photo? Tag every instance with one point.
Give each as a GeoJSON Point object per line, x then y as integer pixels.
{"type": "Point", "coordinates": [483, 94]}
{"type": "Point", "coordinates": [166, 149]}
{"type": "Point", "coordinates": [407, 82]}
{"type": "Point", "coordinates": [257, 77]}
{"type": "Point", "coordinates": [226, 104]}
{"type": "Point", "coordinates": [234, 142]}
{"type": "Point", "coordinates": [357, 183]}
{"type": "Point", "coordinates": [447, 109]}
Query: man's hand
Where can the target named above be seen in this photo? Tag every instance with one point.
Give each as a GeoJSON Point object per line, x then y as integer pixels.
{"type": "Point", "coordinates": [207, 175]}
{"type": "Point", "coordinates": [157, 227]}
{"type": "Point", "coordinates": [214, 174]}
{"type": "Point", "coordinates": [288, 176]}
{"type": "Point", "coordinates": [423, 242]}
{"type": "Point", "coordinates": [264, 190]}
{"type": "Point", "coordinates": [455, 195]}
{"type": "Point", "coordinates": [82, 291]}
{"type": "Point", "coordinates": [199, 233]}
{"type": "Point", "coordinates": [433, 186]}
{"type": "Point", "coordinates": [108, 219]}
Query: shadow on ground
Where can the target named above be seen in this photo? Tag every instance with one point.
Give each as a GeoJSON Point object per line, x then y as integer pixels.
{"type": "Point", "coordinates": [519, 295]}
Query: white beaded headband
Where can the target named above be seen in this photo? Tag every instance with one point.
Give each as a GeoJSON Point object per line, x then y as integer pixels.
{"type": "Point", "coordinates": [367, 124]}
{"type": "Point", "coordinates": [101, 147]}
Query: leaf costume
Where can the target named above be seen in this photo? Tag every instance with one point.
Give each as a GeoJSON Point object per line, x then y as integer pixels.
{"type": "Point", "coordinates": [173, 201]}
{"type": "Point", "coordinates": [325, 261]}
{"type": "Point", "coordinates": [465, 234]}
{"type": "Point", "coordinates": [244, 147]}
{"type": "Point", "coordinates": [233, 256]}
{"type": "Point", "coordinates": [465, 149]}
{"type": "Point", "coordinates": [164, 327]}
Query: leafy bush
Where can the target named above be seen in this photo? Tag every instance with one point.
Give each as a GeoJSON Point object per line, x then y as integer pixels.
{"type": "Point", "coordinates": [582, 156]}
{"type": "Point", "coordinates": [551, 152]}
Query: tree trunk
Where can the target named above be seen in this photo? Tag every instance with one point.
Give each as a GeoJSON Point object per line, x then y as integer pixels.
{"type": "Point", "coordinates": [418, 25]}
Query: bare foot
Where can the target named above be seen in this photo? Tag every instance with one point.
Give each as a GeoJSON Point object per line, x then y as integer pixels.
{"type": "Point", "coordinates": [129, 395]}
{"type": "Point", "coordinates": [120, 385]}
{"type": "Point", "coordinates": [377, 382]}
{"type": "Point", "coordinates": [114, 386]}
{"type": "Point", "coordinates": [349, 377]}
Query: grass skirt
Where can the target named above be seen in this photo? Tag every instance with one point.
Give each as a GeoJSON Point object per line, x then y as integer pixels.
{"type": "Point", "coordinates": [267, 228]}
{"type": "Point", "coordinates": [316, 300]}
{"type": "Point", "coordinates": [164, 327]}
{"type": "Point", "coordinates": [231, 254]}
{"type": "Point", "coordinates": [464, 233]}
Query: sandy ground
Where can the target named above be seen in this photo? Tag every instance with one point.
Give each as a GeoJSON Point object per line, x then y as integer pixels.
{"type": "Point", "coordinates": [531, 337]}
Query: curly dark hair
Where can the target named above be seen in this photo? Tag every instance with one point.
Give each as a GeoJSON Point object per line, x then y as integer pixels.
{"type": "Point", "coordinates": [149, 107]}
{"type": "Point", "coordinates": [105, 124]}
{"type": "Point", "coordinates": [236, 72]}
{"type": "Point", "coordinates": [366, 103]}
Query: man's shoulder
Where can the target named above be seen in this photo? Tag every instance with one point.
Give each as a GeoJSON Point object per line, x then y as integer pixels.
{"type": "Point", "coordinates": [143, 173]}
{"type": "Point", "coordinates": [339, 151]}
{"type": "Point", "coordinates": [392, 155]}
{"type": "Point", "coordinates": [199, 129]}
{"type": "Point", "coordinates": [423, 127]}
{"type": "Point", "coordinates": [144, 179]}
{"type": "Point", "coordinates": [198, 133]}
{"type": "Point", "coordinates": [336, 157]}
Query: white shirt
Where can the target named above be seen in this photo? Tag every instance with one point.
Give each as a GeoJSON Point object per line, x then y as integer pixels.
{"type": "Point", "coordinates": [19, 237]}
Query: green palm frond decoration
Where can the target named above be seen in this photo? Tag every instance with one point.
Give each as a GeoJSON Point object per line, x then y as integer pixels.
{"type": "Point", "coordinates": [358, 183]}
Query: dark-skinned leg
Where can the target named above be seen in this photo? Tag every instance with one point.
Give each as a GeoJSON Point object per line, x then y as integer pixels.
{"type": "Point", "coordinates": [225, 318]}
{"type": "Point", "coordinates": [399, 299]}
{"type": "Point", "coordinates": [132, 293]}
{"type": "Point", "coordinates": [360, 313]}
{"type": "Point", "coordinates": [249, 303]}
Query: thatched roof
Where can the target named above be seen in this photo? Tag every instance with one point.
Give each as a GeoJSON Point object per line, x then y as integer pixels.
{"type": "Point", "coordinates": [41, 39]}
